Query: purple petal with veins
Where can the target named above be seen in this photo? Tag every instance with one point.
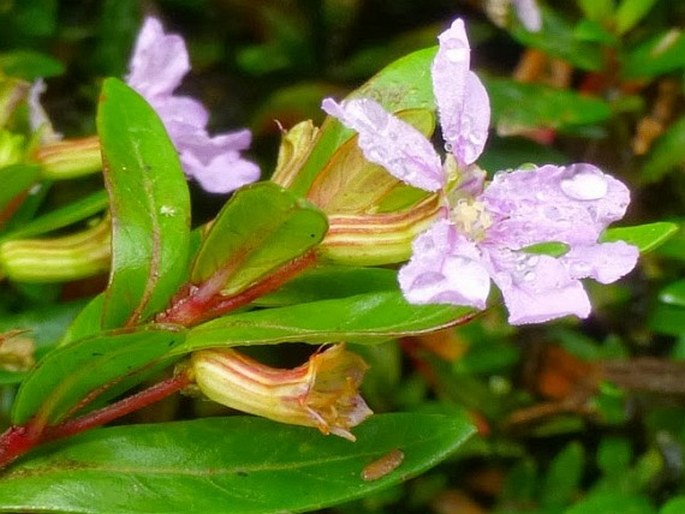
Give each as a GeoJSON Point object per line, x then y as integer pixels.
{"type": "Point", "coordinates": [390, 142]}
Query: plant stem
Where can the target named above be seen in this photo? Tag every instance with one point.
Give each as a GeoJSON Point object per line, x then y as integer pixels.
{"type": "Point", "coordinates": [196, 305]}
{"type": "Point", "coordinates": [18, 440]}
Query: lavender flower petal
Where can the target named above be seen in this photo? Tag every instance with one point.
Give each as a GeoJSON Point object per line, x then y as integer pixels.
{"type": "Point", "coordinates": [463, 104]}
{"type": "Point", "coordinates": [445, 268]}
{"type": "Point", "coordinates": [389, 142]}
{"type": "Point", "coordinates": [528, 12]}
{"type": "Point", "coordinates": [605, 262]}
{"type": "Point", "coordinates": [159, 61]}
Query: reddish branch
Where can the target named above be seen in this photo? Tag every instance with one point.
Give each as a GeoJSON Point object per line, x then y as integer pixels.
{"type": "Point", "coordinates": [18, 440]}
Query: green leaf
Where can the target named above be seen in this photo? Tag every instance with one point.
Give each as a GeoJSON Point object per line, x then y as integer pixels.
{"type": "Point", "coordinates": [62, 217]}
{"type": "Point", "coordinates": [674, 506]}
{"type": "Point", "coordinates": [87, 323]}
{"type": "Point", "coordinates": [149, 203]}
{"type": "Point", "coordinates": [234, 465]}
{"type": "Point", "coordinates": [368, 318]}
{"type": "Point", "coordinates": [630, 12]}
{"type": "Point", "coordinates": [557, 39]}
{"type": "Point", "coordinates": [404, 84]}
{"type": "Point", "coordinates": [518, 107]}
{"type": "Point", "coordinates": [29, 65]}
{"type": "Point", "coordinates": [597, 10]}
{"type": "Point", "coordinates": [614, 455]}
{"type": "Point", "coordinates": [261, 228]}
{"type": "Point", "coordinates": [662, 54]}
{"type": "Point", "coordinates": [674, 294]}
{"type": "Point", "coordinates": [562, 479]}
{"type": "Point", "coordinates": [667, 154]}
{"type": "Point", "coordinates": [618, 501]}
{"type": "Point", "coordinates": [328, 282]}
{"type": "Point", "coordinates": [645, 237]}
{"type": "Point", "coordinates": [68, 374]}
{"type": "Point", "coordinates": [553, 248]}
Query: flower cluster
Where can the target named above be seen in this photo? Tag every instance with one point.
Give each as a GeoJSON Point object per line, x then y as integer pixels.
{"type": "Point", "coordinates": [157, 67]}
{"type": "Point", "coordinates": [498, 231]}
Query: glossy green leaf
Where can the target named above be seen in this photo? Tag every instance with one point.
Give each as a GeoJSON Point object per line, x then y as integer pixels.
{"type": "Point", "coordinates": [645, 237]}
{"type": "Point", "coordinates": [149, 203]}
{"type": "Point", "coordinates": [630, 12]}
{"type": "Point", "coordinates": [667, 154]}
{"type": "Point", "coordinates": [29, 65]}
{"type": "Point", "coordinates": [16, 179]}
{"type": "Point", "coordinates": [368, 318]}
{"type": "Point", "coordinates": [64, 216]}
{"type": "Point", "coordinates": [328, 282]}
{"type": "Point", "coordinates": [674, 293]}
{"type": "Point", "coordinates": [68, 374]}
{"type": "Point", "coordinates": [662, 54]}
{"type": "Point", "coordinates": [404, 84]}
{"type": "Point", "coordinates": [260, 229]}
{"type": "Point", "coordinates": [518, 107]}
{"type": "Point", "coordinates": [87, 323]}
{"type": "Point", "coordinates": [234, 465]}
{"type": "Point", "coordinates": [557, 39]}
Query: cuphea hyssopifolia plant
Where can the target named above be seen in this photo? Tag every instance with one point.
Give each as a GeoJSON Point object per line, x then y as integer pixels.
{"type": "Point", "coordinates": [287, 260]}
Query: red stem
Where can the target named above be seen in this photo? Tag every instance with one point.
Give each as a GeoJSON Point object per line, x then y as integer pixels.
{"type": "Point", "coordinates": [197, 306]}
{"type": "Point", "coordinates": [18, 440]}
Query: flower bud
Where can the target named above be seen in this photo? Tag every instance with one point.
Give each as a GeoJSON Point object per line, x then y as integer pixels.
{"type": "Point", "coordinates": [70, 158]}
{"type": "Point", "coordinates": [322, 393]}
{"type": "Point", "coordinates": [296, 144]}
{"type": "Point", "coordinates": [16, 351]}
{"type": "Point", "coordinates": [58, 259]}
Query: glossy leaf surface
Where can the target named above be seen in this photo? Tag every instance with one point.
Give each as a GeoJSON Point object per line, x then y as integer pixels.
{"type": "Point", "coordinates": [261, 228]}
{"type": "Point", "coordinates": [645, 237]}
{"type": "Point", "coordinates": [368, 318]}
{"type": "Point", "coordinates": [66, 376]}
{"type": "Point", "coordinates": [232, 465]}
{"type": "Point", "coordinates": [149, 203]}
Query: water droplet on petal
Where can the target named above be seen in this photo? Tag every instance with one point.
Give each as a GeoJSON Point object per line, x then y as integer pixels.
{"type": "Point", "coordinates": [457, 55]}
{"type": "Point", "coordinates": [585, 185]}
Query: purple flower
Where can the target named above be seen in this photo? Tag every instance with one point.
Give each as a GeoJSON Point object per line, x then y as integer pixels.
{"type": "Point", "coordinates": [157, 67]}
{"type": "Point", "coordinates": [487, 234]}
{"type": "Point", "coordinates": [528, 12]}
{"type": "Point", "coordinates": [403, 150]}
{"type": "Point", "coordinates": [488, 237]}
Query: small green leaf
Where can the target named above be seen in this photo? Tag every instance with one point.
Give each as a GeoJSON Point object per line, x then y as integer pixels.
{"type": "Point", "coordinates": [329, 282]}
{"type": "Point", "coordinates": [597, 10]}
{"type": "Point", "coordinates": [29, 65]}
{"type": "Point", "coordinates": [261, 228]}
{"type": "Point", "coordinates": [87, 323]}
{"type": "Point", "coordinates": [518, 107]}
{"type": "Point", "coordinates": [674, 294]}
{"type": "Point", "coordinates": [614, 455]}
{"type": "Point", "coordinates": [367, 318]}
{"type": "Point", "coordinates": [630, 12]}
{"type": "Point", "coordinates": [68, 374]}
{"type": "Point", "coordinates": [234, 465]}
{"type": "Point", "coordinates": [667, 154]}
{"type": "Point", "coordinates": [645, 237]}
{"type": "Point", "coordinates": [562, 479]}
{"type": "Point", "coordinates": [662, 54]}
{"type": "Point", "coordinates": [149, 203]}
{"type": "Point", "coordinates": [552, 248]}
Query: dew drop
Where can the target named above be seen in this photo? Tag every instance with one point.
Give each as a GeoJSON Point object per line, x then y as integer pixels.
{"type": "Point", "coordinates": [457, 55]}
{"type": "Point", "coordinates": [585, 185]}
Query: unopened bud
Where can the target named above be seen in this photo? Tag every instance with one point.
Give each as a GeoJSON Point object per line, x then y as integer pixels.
{"type": "Point", "coordinates": [70, 158]}
{"type": "Point", "coordinates": [322, 393]}
{"type": "Point", "coordinates": [58, 259]}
